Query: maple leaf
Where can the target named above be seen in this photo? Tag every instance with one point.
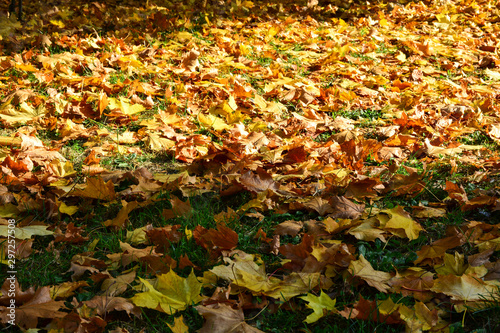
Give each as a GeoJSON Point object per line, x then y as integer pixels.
{"type": "Point", "coordinates": [415, 282]}
{"type": "Point", "coordinates": [116, 286]}
{"type": "Point", "coordinates": [321, 306]}
{"type": "Point", "coordinates": [298, 283]}
{"type": "Point", "coordinates": [121, 220]}
{"type": "Point", "coordinates": [363, 269]}
{"type": "Point", "coordinates": [438, 248]}
{"type": "Point", "coordinates": [66, 289]}
{"type": "Point", "coordinates": [344, 208]}
{"type": "Point", "coordinates": [39, 305]}
{"type": "Point", "coordinates": [105, 304]}
{"type": "Point", "coordinates": [216, 241]}
{"type": "Point", "coordinates": [367, 231]}
{"type": "Point", "coordinates": [179, 326]}
{"type": "Point", "coordinates": [466, 288]}
{"type": "Point", "coordinates": [224, 319]}
{"type": "Point", "coordinates": [96, 188]}
{"type": "Point", "coordinates": [179, 208]}
{"type": "Point", "coordinates": [124, 106]}
{"type": "Point", "coordinates": [371, 310]}
{"type": "Point", "coordinates": [258, 183]}
{"type": "Point", "coordinates": [26, 232]}
{"type": "Point", "coordinates": [244, 272]}
{"type": "Point", "coordinates": [169, 293]}
{"type": "Point", "coordinates": [401, 224]}
{"type": "Point", "coordinates": [71, 235]}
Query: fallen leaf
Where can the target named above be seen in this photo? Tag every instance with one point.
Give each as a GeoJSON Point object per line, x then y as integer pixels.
{"type": "Point", "coordinates": [224, 319]}
{"type": "Point", "coordinates": [169, 293]}
{"type": "Point", "coordinates": [321, 305]}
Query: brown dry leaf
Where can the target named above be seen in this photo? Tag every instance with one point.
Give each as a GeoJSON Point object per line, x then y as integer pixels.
{"type": "Point", "coordinates": [121, 220]}
{"type": "Point", "coordinates": [362, 269]}
{"type": "Point", "coordinates": [216, 241]}
{"type": "Point", "coordinates": [96, 188]}
{"type": "Point", "coordinates": [298, 253]}
{"type": "Point", "coordinates": [190, 61]}
{"type": "Point", "coordinates": [163, 237]}
{"type": "Point", "coordinates": [320, 205]}
{"type": "Point", "coordinates": [344, 208]}
{"type": "Point", "coordinates": [179, 208]}
{"type": "Point", "coordinates": [40, 305]}
{"type": "Point", "coordinates": [130, 254]}
{"type": "Point", "coordinates": [438, 248]}
{"type": "Point", "coordinates": [259, 182]}
{"type": "Point", "coordinates": [290, 228]}
{"type": "Point", "coordinates": [226, 217]}
{"type": "Point", "coordinates": [71, 235]}
{"type": "Point", "coordinates": [22, 248]}
{"type": "Point", "coordinates": [224, 319]}
{"type": "Point", "coordinates": [105, 304]}
{"type": "Point", "coordinates": [115, 286]}
{"type": "Point", "coordinates": [414, 282]}
{"type": "Point", "coordinates": [456, 192]}
{"type": "Point", "coordinates": [369, 310]}
{"type": "Point", "coordinates": [466, 288]}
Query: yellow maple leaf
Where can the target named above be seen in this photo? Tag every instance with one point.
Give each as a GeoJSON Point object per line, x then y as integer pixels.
{"type": "Point", "coordinates": [123, 104]}
{"type": "Point", "coordinates": [70, 210]}
{"type": "Point", "coordinates": [26, 232]}
{"type": "Point", "coordinates": [179, 326]}
{"type": "Point", "coordinates": [321, 306]}
{"type": "Point", "coordinates": [170, 293]}
{"type": "Point", "coordinates": [243, 271]}
{"type": "Point", "coordinates": [212, 121]}
{"type": "Point", "coordinates": [466, 288]}
{"type": "Point", "coordinates": [401, 224]}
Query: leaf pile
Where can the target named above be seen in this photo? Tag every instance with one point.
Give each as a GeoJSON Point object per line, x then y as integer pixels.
{"type": "Point", "coordinates": [376, 121]}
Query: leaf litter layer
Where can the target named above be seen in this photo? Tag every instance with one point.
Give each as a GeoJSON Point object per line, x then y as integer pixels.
{"type": "Point", "coordinates": [221, 166]}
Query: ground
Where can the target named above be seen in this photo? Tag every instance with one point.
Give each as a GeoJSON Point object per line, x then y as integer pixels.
{"type": "Point", "coordinates": [250, 166]}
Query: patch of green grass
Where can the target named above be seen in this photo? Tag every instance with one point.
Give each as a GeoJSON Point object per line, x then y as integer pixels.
{"type": "Point", "coordinates": [383, 48]}
{"type": "Point", "coordinates": [57, 49]}
{"type": "Point", "coordinates": [116, 77]}
{"type": "Point", "coordinates": [14, 72]}
{"type": "Point", "coordinates": [74, 151]}
{"type": "Point", "coordinates": [360, 114]}
{"type": "Point", "coordinates": [280, 321]}
{"type": "Point", "coordinates": [388, 257]}
{"type": "Point", "coordinates": [361, 56]}
{"type": "Point", "coordinates": [265, 61]}
{"type": "Point", "coordinates": [325, 136]}
{"type": "Point", "coordinates": [48, 266]}
{"type": "Point", "coordinates": [479, 138]}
